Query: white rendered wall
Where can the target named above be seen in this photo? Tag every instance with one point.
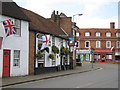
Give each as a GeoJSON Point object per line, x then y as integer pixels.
{"type": "Point", "coordinates": [18, 43]}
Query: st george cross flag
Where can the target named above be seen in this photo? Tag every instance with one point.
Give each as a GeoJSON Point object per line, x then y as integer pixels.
{"type": "Point", "coordinates": [71, 48]}
{"type": "Point", "coordinates": [45, 41]}
{"type": "Point", "coordinates": [9, 27]}
{"type": "Point", "coordinates": [1, 39]}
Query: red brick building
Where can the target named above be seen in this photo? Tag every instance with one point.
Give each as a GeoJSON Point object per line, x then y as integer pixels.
{"type": "Point", "coordinates": [103, 42]}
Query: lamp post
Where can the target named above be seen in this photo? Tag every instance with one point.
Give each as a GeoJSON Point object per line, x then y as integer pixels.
{"type": "Point", "coordinates": [76, 15]}
{"type": "Point", "coordinates": [74, 29]}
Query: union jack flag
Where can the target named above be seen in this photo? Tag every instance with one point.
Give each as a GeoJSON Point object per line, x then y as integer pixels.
{"type": "Point", "coordinates": [9, 27]}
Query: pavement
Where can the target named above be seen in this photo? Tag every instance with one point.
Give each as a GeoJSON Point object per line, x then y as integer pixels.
{"type": "Point", "coordinates": [86, 67]}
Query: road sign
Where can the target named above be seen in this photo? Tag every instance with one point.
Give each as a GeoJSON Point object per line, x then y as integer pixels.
{"type": "Point", "coordinates": [91, 52]}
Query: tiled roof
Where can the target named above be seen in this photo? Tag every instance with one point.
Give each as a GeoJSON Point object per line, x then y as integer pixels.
{"type": "Point", "coordinates": [11, 9]}
{"type": "Point", "coordinates": [41, 24]}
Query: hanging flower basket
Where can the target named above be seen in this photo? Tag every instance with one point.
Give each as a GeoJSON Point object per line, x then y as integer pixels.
{"type": "Point", "coordinates": [39, 46]}
{"type": "Point", "coordinates": [62, 50]}
{"type": "Point", "coordinates": [52, 56]}
{"type": "Point", "coordinates": [55, 49]}
{"type": "Point", "coordinates": [39, 55]}
{"type": "Point", "coordinates": [67, 51]}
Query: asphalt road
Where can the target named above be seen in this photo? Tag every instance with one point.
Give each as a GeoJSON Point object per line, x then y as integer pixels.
{"type": "Point", "coordinates": [104, 78]}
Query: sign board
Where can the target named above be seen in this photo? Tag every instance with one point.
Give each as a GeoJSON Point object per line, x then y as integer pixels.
{"type": "Point", "coordinates": [92, 52]}
{"type": "Point", "coordinates": [82, 51]}
{"type": "Point", "coordinates": [71, 40]}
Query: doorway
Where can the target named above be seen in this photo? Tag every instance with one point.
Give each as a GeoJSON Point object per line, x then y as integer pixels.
{"type": "Point", "coordinates": [6, 63]}
{"type": "Point", "coordinates": [103, 58]}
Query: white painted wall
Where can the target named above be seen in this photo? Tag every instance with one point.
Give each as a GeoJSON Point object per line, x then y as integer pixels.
{"type": "Point", "coordinates": [17, 43]}
{"type": "Point", "coordinates": [48, 62]}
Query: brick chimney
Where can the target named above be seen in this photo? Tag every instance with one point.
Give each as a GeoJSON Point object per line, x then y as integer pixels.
{"type": "Point", "coordinates": [112, 25]}
{"type": "Point", "coordinates": [53, 16]}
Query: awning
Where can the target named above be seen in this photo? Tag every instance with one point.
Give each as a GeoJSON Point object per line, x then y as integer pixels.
{"type": "Point", "coordinates": [103, 51]}
{"type": "Point", "coordinates": [117, 50]}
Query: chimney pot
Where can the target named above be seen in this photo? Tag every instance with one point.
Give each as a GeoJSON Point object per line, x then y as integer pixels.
{"type": "Point", "coordinates": [112, 25]}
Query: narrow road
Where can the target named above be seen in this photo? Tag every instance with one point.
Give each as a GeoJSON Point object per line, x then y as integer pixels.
{"type": "Point", "coordinates": [104, 78]}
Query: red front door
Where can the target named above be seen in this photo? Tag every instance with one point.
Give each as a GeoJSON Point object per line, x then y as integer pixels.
{"type": "Point", "coordinates": [103, 58]}
{"type": "Point", "coordinates": [6, 63]}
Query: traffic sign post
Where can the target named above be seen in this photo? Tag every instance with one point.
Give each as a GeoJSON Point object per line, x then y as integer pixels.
{"type": "Point", "coordinates": [92, 53]}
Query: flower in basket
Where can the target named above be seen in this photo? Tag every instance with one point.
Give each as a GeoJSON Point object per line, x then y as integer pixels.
{"type": "Point", "coordinates": [55, 49]}
{"type": "Point", "coordinates": [39, 55]}
{"type": "Point", "coordinates": [52, 56]}
{"type": "Point", "coordinates": [62, 50]}
{"type": "Point", "coordinates": [67, 51]}
{"type": "Point", "coordinates": [39, 46]}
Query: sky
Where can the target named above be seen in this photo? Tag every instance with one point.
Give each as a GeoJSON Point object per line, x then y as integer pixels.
{"type": "Point", "coordinates": [96, 13]}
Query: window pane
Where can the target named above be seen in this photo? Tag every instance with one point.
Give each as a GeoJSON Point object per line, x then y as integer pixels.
{"type": "Point", "coordinates": [108, 34]}
{"type": "Point", "coordinates": [97, 34]}
{"type": "Point", "coordinates": [87, 34]}
{"type": "Point", "coordinates": [108, 56]}
{"type": "Point", "coordinates": [118, 44]}
{"type": "Point", "coordinates": [117, 34]}
{"type": "Point", "coordinates": [87, 44]}
{"type": "Point", "coordinates": [77, 45]}
{"type": "Point", "coordinates": [97, 44]}
{"type": "Point", "coordinates": [108, 44]}
{"type": "Point", "coordinates": [18, 27]}
{"type": "Point", "coordinates": [77, 34]}
{"type": "Point", "coordinates": [16, 58]}
{"type": "Point", "coordinates": [53, 40]}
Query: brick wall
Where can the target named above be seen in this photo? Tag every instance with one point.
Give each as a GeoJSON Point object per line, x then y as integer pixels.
{"type": "Point", "coordinates": [31, 51]}
{"type": "Point", "coordinates": [66, 24]}
{"type": "Point", "coordinates": [102, 38]}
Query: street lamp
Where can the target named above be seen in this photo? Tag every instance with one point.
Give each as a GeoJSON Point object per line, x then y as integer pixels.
{"type": "Point", "coordinates": [74, 29]}
{"type": "Point", "coordinates": [75, 15]}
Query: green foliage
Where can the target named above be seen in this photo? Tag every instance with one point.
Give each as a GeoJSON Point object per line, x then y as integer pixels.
{"type": "Point", "coordinates": [62, 50]}
{"type": "Point", "coordinates": [55, 49]}
{"type": "Point", "coordinates": [52, 56]}
{"type": "Point", "coordinates": [39, 46]}
{"type": "Point", "coordinates": [67, 51]}
{"type": "Point", "coordinates": [39, 55]}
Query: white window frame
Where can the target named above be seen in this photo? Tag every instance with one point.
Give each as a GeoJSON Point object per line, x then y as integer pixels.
{"type": "Point", "coordinates": [85, 44]}
{"type": "Point", "coordinates": [16, 64]}
{"type": "Point", "coordinates": [107, 44]}
{"type": "Point", "coordinates": [18, 27]}
{"type": "Point", "coordinates": [98, 44]}
{"type": "Point", "coordinates": [87, 34]}
{"type": "Point", "coordinates": [78, 44]}
{"type": "Point", "coordinates": [77, 34]}
{"type": "Point", "coordinates": [108, 34]}
{"type": "Point", "coordinates": [117, 44]}
{"type": "Point", "coordinates": [117, 34]}
{"type": "Point", "coordinates": [53, 40]}
{"type": "Point", "coordinates": [98, 34]}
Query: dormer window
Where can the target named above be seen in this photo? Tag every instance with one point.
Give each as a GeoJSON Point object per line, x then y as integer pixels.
{"type": "Point", "coordinates": [108, 34]}
{"type": "Point", "coordinates": [77, 34]}
{"type": "Point", "coordinates": [118, 34]}
{"type": "Point", "coordinates": [98, 34]}
{"type": "Point", "coordinates": [87, 34]}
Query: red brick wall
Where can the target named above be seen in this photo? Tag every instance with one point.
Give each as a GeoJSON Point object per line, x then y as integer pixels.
{"type": "Point", "coordinates": [93, 36]}
{"type": "Point", "coordinates": [31, 51]}
{"type": "Point", "coordinates": [66, 24]}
